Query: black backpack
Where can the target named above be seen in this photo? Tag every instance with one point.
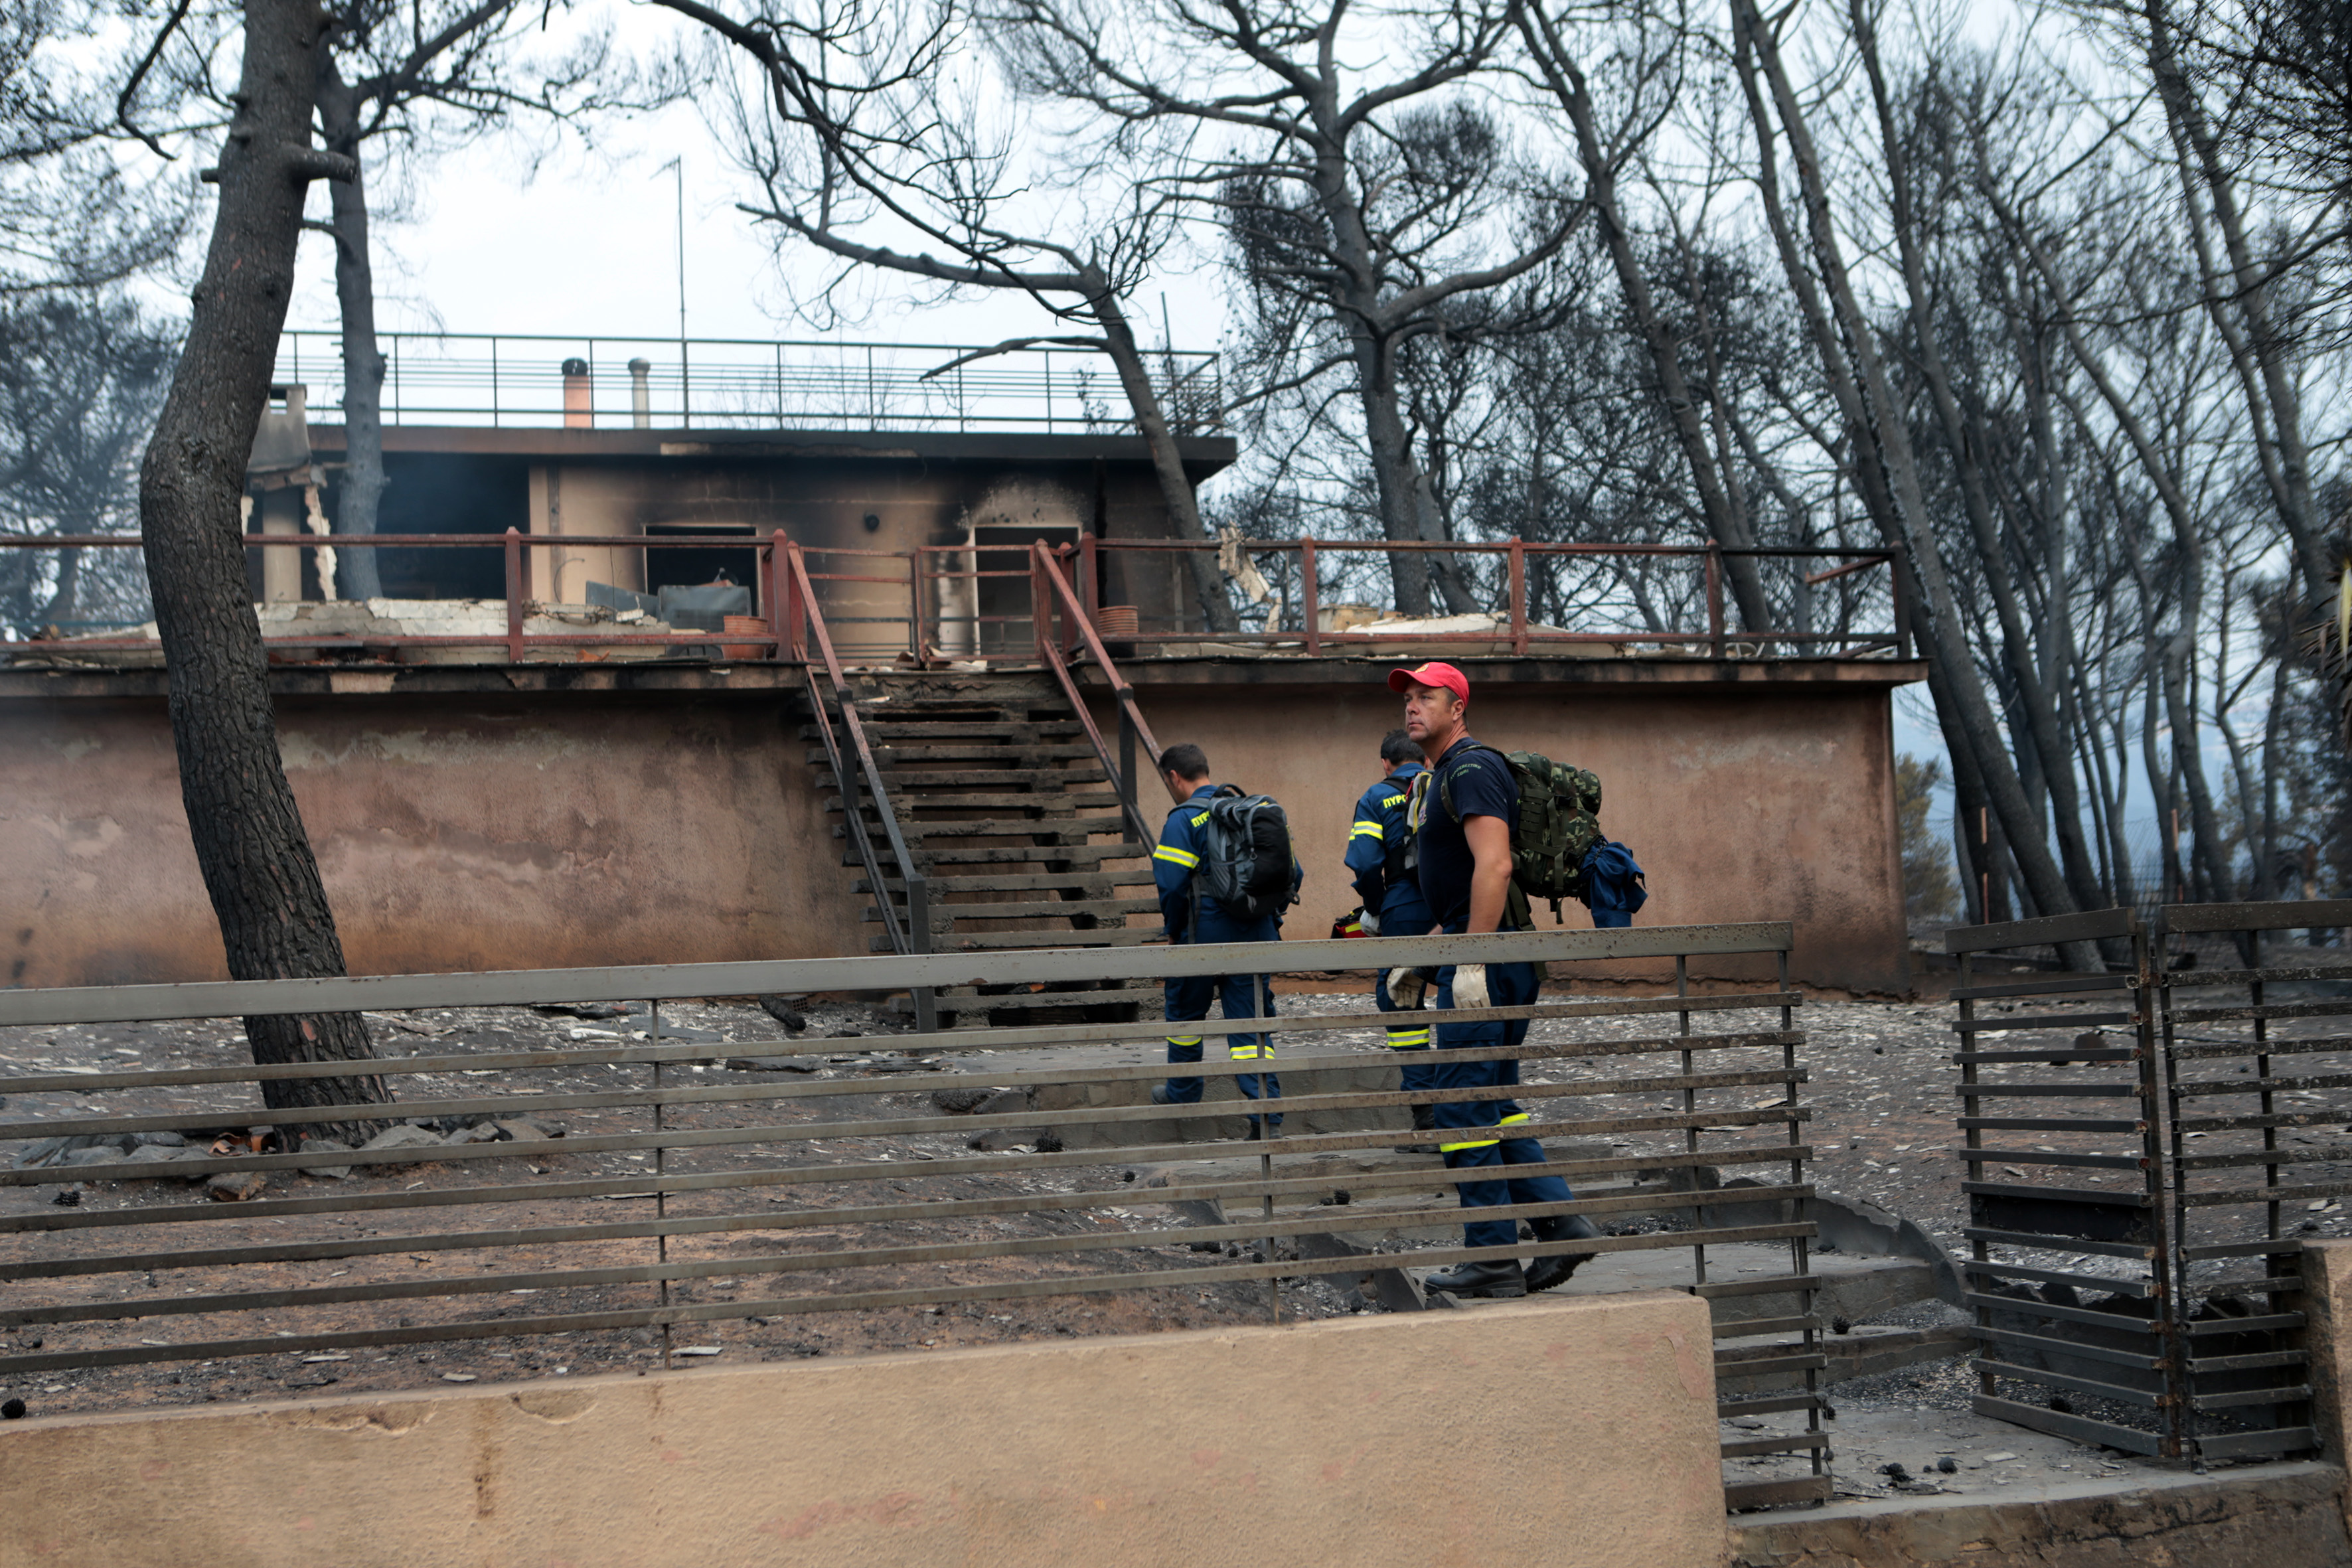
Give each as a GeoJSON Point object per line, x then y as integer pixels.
{"type": "Point", "coordinates": [1246, 860]}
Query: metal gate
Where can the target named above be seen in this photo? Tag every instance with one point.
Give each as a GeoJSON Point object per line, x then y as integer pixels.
{"type": "Point", "coordinates": [2258, 1075]}
{"type": "Point", "coordinates": [2142, 1290]}
{"type": "Point", "coordinates": [2069, 1255]}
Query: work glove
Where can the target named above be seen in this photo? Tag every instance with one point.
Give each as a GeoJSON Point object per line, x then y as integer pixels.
{"type": "Point", "coordinates": [1370, 922]}
{"type": "Point", "coordinates": [1469, 985]}
{"type": "Point", "coordinates": [1405, 987]}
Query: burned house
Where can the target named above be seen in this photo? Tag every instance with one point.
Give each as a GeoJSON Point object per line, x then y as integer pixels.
{"type": "Point", "coordinates": [591, 718]}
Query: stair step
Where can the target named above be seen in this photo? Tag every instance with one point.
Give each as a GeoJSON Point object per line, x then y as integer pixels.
{"type": "Point", "coordinates": [1008, 777]}
{"type": "Point", "coordinates": [889, 756]}
{"type": "Point", "coordinates": [1012, 940]}
{"type": "Point", "coordinates": [1007, 732]}
{"type": "Point", "coordinates": [1100, 884]}
{"type": "Point", "coordinates": [1075, 854]}
{"type": "Point", "coordinates": [1054, 909]}
{"type": "Point", "coordinates": [900, 709]}
{"type": "Point", "coordinates": [978, 752]}
{"type": "Point", "coordinates": [903, 801]}
{"type": "Point", "coordinates": [994, 826]}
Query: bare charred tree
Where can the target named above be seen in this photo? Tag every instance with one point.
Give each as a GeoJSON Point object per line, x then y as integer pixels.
{"type": "Point", "coordinates": [1604, 150]}
{"type": "Point", "coordinates": [1379, 193]}
{"type": "Point", "coordinates": [2241, 294]}
{"type": "Point", "coordinates": [250, 843]}
{"type": "Point", "coordinates": [2280, 71]}
{"type": "Point", "coordinates": [425, 77]}
{"type": "Point", "coordinates": [899, 150]}
{"type": "Point", "coordinates": [1876, 425]}
{"type": "Point", "coordinates": [74, 216]}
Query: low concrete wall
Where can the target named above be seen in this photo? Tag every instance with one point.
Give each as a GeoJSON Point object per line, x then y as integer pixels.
{"type": "Point", "coordinates": [2327, 1308]}
{"type": "Point", "coordinates": [472, 819]}
{"type": "Point", "coordinates": [454, 831]}
{"type": "Point", "coordinates": [2266, 1516]}
{"type": "Point", "coordinates": [1577, 1430]}
{"type": "Point", "coordinates": [1746, 800]}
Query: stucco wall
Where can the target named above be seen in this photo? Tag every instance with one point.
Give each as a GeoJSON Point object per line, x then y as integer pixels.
{"type": "Point", "coordinates": [1579, 1430]}
{"type": "Point", "coordinates": [463, 829]}
{"type": "Point", "coordinates": [1740, 805]}
{"type": "Point", "coordinates": [2327, 1302]}
{"type": "Point", "coordinates": [454, 833]}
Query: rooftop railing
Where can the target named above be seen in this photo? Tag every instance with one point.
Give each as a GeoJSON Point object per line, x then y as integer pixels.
{"type": "Point", "coordinates": [1003, 603]}
{"type": "Point", "coordinates": [599, 383]}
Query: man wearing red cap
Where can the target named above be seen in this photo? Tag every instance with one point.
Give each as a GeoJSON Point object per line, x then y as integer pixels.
{"type": "Point", "coordinates": [1462, 812]}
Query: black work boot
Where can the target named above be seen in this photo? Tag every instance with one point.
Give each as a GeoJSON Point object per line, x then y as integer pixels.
{"type": "Point", "coordinates": [1546, 1272]}
{"type": "Point", "coordinates": [1424, 1119]}
{"type": "Point", "coordinates": [1501, 1279]}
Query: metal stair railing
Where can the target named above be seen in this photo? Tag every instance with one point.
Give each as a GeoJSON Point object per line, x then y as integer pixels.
{"type": "Point", "coordinates": [911, 933]}
{"type": "Point", "coordinates": [1052, 601]}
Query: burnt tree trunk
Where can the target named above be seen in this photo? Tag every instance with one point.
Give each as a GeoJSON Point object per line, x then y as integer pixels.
{"type": "Point", "coordinates": [356, 498]}
{"type": "Point", "coordinates": [249, 841]}
{"type": "Point", "coordinates": [1166, 462]}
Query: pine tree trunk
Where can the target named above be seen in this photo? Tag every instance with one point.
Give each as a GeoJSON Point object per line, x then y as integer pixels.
{"type": "Point", "coordinates": [249, 836]}
{"type": "Point", "coordinates": [1886, 471]}
{"type": "Point", "coordinates": [357, 497]}
{"type": "Point", "coordinates": [1175, 485]}
{"type": "Point", "coordinates": [1658, 336]}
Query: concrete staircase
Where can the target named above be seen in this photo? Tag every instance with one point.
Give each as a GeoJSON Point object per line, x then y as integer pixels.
{"type": "Point", "coordinates": [1011, 815]}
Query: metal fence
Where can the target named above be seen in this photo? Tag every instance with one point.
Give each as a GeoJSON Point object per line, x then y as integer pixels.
{"type": "Point", "coordinates": [776, 1196]}
{"type": "Point", "coordinates": [2258, 1077]}
{"type": "Point", "coordinates": [2137, 1281]}
{"type": "Point", "coordinates": [1530, 595]}
{"type": "Point", "coordinates": [923, 604]}
{"type": "Point", "coordinates": [603, 383]}
{"type": "Point", "coordinates": [2069, 1253]}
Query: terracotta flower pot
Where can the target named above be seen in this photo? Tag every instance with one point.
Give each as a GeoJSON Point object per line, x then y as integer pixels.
{"type": "Point", "coordinates": [736, 650]}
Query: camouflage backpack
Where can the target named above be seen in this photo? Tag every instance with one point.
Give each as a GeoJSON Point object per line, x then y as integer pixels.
{"type": "Point", "coordinates": [1559, 826]}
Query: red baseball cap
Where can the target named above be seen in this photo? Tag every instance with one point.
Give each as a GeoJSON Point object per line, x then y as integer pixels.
{"type": "Point", "coordinates": [1431, 674]}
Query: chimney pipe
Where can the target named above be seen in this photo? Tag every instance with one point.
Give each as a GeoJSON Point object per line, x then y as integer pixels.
{"type": "Point", "coordinates": [641, 398]}
{"type": "Point", "coordinates": [579, 408]}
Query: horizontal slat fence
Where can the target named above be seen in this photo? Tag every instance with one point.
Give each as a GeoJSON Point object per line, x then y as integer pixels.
{"type": "Point", "coordinates": [676, 1198]}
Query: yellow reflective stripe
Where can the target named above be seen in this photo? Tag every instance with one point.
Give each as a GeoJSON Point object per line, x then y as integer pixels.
{"type": "Point", "coordinates": [1515, 1116]}
{"type": "Point", "coordinates": [1400, 1039]}
{"type": "Point", "coordinates": [1366, 831]}
{"type": "Point", "coordinates": [1175, 856]}
{"type": "Point", "coordinates": [1474, 1143]}
{"type": "Point", "coordinates": [1250, 1053]}
{"type": "Point", "coordinates": [1184, 1039]}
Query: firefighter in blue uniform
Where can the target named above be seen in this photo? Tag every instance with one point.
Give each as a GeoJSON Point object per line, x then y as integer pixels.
{"type": "Point", "coordinates": [1184, 769]}
{"type": "Point", "coordinates": [1377, 845]}
{"type": "Point", "coordinates": [1462, 812]}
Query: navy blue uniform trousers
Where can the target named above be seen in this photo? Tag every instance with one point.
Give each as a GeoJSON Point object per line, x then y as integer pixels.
{"type": "Point", "coordinates": [1187, 998]}
{"type": "Point", "coordinates": [1476, 1134]}
{"type": "Point", "coordinates": [1403, 913]}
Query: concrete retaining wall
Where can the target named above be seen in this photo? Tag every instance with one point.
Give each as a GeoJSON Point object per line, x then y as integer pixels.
{"type": "Point", "coordinates": [1577, 1430]}
{"type": "Point", "coordinates": [469, 820]}
{"type": "Point", "coordinates": [1741, 803]}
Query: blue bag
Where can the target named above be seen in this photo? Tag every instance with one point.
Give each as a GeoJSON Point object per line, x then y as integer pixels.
{"type": "Point", "coordinates": [1614, 887]}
